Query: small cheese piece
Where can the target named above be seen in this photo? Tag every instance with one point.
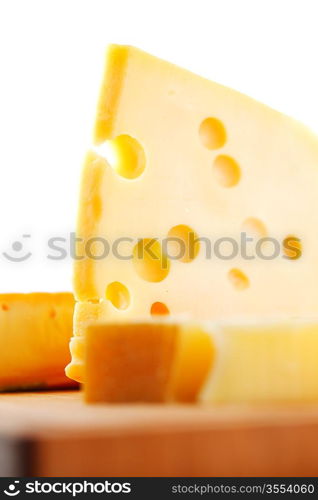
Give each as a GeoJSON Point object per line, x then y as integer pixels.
{"type": "Point", "coordinates": [35, 330]}
{"type": "Point", "coordinates": [264, 362]}
{"type": "Point", "coordinates": [146, 362]}
{"type": "Point", "coordinates": [84, 314]}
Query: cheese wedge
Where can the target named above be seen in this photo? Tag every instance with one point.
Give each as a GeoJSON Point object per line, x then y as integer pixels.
{"type": "Point", "coordinates": [145, 362]}
{"type": "Point", "coordinates": [198, 168]}
{"type": "Point", "coordinates": [35, 330]}
{"type": "Point", "coordinates": [210, 162]}
{"type": "Point", "coordinates": [267, 362]}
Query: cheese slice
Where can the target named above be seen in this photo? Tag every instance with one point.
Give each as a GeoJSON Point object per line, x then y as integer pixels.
{"type": "Point", "coordinates": [149, 362]}
{"type": "Point", "coordinates": [35, 330]}
{"type": "Point", "coordinates": [264, 362]}
{"type": "Point", "coordinates": [269, 362]}
{"type": "Point", "coordinates": [198, 167]}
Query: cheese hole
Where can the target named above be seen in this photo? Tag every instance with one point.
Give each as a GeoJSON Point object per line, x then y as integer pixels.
{"type": "Point", "coordinates": [5, 307]}
{"type": "Point", "coordinates": [52, 313]}
{"type": "Point", "coordinates": [226, 170]}
{"type": "Point", "coordinates": [254, 227]}
{"type": "Point", "coordinates": [159, 309]}
{"type": "Point", "coordinates": [238, 279]}
{"type": "Point", "coordinates": [125, 155]}
{"type": "Point", "coordinates": [118, 295]}
{"type": "Point", "coordinates": [212, 133]}
{"type": "Point", "coordinates": [292, 247]}
{"type": "Point", "coordinates": [150, 263]}
{"type": "Point", "coordinates": [183, 243]}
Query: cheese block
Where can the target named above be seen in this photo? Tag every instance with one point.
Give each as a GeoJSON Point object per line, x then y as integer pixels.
{"type": "Point", "coordinates": [263, 362]}
{"type": "Point", "coordinates": [195, 159]}
{"type": "Point", "coordinates": [182, 172]}
{"type": "Point", "coordinates": [35, 330]}
{"type": "Point", "coordinates": [145, 362]}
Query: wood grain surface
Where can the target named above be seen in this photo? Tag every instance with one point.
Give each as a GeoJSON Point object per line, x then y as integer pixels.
{"type": "Point", "coordinates": [56, 434]}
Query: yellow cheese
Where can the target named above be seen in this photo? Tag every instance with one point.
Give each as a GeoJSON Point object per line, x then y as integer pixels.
{"type": "Point", "coordinates": [186, 129]}
{"type": "Point", "coordinates": [264, 362]}
{"type": "Point", "coordinates": [34, 335]}
{"type": "Point", "coordinates": [84, 314]}
{"type": "Point", "coordinates": [251, 362]}
{"type": "Point", "coordinates": [145, 362]}
{"type": "Point", "coordinates": [194, 160]}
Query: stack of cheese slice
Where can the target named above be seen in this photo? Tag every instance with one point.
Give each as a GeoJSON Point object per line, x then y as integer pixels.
{"type": "Point", "coordinates": [35, 330]}
{"type": "Point", "coordinates": [180, 362]}
{"type": "Point", "coordinates": [195, 166]}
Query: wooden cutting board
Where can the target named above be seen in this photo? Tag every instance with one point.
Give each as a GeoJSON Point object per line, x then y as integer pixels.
{"type": "Point", "coordinates": [56, 434]}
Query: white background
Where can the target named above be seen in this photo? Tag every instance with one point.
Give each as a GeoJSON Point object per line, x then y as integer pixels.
{"type": "Point", "coordinates": [51, 59]}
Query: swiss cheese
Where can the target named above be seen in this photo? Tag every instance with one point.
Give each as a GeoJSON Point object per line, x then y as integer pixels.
{"type": "Point", "coordinates": [194, 160]}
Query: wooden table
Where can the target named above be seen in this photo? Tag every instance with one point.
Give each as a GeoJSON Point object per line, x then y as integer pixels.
{"type": "Point", "coordinates": [56, 434]}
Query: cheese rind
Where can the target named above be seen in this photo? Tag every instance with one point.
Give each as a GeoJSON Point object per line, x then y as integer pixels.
{"type": "Point", "coordinates": [84, 314]}
{"type": "Point", "coordinates": [35, 330]}
{"type": "Point", "coordinates": [110, 93]}
{"type": "Point", "coordinates": [90, 211]}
